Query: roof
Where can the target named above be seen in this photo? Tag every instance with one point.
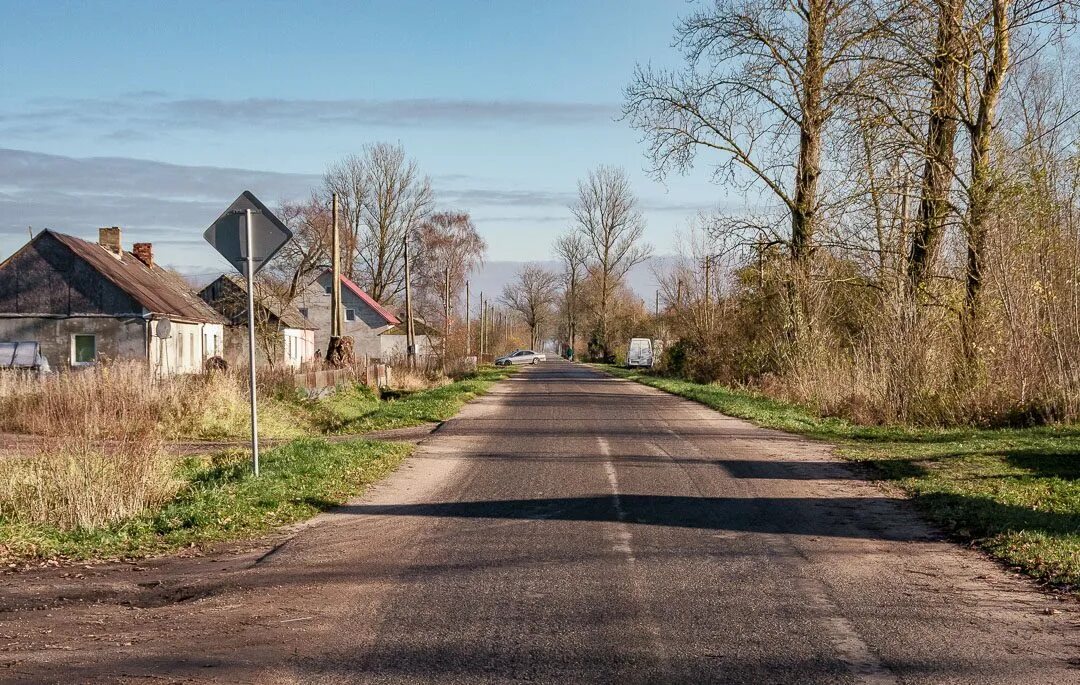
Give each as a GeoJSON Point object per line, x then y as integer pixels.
{"type": "Point", "coordinates": [157, 290]}
{"type": "Point", "coordinates": [370, 301]}
{"type": "Point", "coordinates": [419, 327]}
{"type": "Point", "coordinates": [287, 314]}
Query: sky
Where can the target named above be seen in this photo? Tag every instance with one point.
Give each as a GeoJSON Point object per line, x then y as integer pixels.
{"type": "Point", "coordinates": [154, 116]}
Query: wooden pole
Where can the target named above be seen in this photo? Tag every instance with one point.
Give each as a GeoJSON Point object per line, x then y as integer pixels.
{"type": "Point", "coordinates": [410, 333]}
{"type": "Point", "coordinates": [468, 323]}
{"type": "Point", "coordinates": [708, 265]}
{"type": "Point", "coordinates": [335, 262]}
{"type": "Point", "coordinates": [480, 335]}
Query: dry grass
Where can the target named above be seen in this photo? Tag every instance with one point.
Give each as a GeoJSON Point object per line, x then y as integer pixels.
{"type": "Point", "coordinates": [82, 483]}
{"type": "Point", "coordinates": [123, 400]}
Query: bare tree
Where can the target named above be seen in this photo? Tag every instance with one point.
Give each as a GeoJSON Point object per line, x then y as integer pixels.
{"type": "Point", "coordinates": [611, 227]}
{"type": "Point", "coordinates": [761, 82]}
{"type": "Point", "coordinates": [349, 179]}
{"type": "Point", "coordinates": [449, 249]}
{"type": "Point", "coordinates": [304, 257]}
{"type": "Point", "coordinates": [532, 295]}
{"type": "Point", "coordinates": [385, 199]}
{"type": "Point", "coordinates": [573, 251]}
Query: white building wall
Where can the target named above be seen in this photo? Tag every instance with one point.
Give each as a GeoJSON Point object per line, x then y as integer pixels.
{"type": "Point", "coordinates": [299, 347]}
{"type": "Point", "coordinates": [186, 348]}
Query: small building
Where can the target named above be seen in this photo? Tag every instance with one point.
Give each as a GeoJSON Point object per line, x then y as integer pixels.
{"type": "Point", "coordinates": [393, 341]}
{"type": "Point", "coordinates": [376, 332]}
{"type": "Point", "coordinates": [84, 302]}
{"type": "Point", "coordinates": [282, 334]}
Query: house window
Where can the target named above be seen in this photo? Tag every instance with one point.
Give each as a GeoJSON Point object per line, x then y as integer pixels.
{"type": "Point", "coordinates": [303, 312]}
{"type": "Point", "coordinates": [329, 289]}
{"type": "Point", "coordinates": [350, 315]}
{"type": "Point", "coordinates": [83, 349]}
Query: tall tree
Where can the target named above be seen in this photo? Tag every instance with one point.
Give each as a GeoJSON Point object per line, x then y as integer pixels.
{"type": "Point", "coordinates": [761, 82]}
{"type": "Point", "coordinates": [532, 295]}
{"type": "Point", "coordinates": [449, 246]}
{"type": "Point", "coordinates": [385, 199]}
{"type": "Point", "coordinates": [611, 226]}
{"type": "Point", "coordinates": [939, 169]}
{"type": "Point", "coordinates": [573, 252]}
{"type": "Point", "coordinates": [304, 257]}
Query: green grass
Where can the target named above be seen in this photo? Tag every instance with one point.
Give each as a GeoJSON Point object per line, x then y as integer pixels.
{"type": "Point", "coordinates": [222, 500]}
{"type": "Point", "coordinates": [360, 410]}
{"type": "Point", "coordinates": [1013, 492]}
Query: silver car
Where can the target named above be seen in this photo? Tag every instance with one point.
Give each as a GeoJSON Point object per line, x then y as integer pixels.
{"type": "Point", "coordinates": [521, 357]}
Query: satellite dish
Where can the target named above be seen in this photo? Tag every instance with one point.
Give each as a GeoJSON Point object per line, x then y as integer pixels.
{"type": "Point", "coordinates": [164, 328]}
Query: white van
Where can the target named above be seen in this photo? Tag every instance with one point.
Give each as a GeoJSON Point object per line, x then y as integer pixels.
{"type": "Point", "coordinates": [640, 353]}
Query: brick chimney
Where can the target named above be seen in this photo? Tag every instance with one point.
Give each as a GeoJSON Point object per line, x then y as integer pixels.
{"type": "Point", "coordinates": [109, 238]}
{"type": "Point", "coordinates": [144, 252]}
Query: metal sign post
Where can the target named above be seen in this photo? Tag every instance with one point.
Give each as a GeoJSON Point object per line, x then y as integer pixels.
{"type": "Point", "coordinates": [251, 345]}
{"type": "Point", "coordinates": [248, 248]}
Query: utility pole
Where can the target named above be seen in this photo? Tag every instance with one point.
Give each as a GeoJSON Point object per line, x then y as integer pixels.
{"type": "Point", "coordinates": [410, 334]}
{"type": "Point", "coordinates": [480, 335]}
{"type": "Point", "coordinates": [446, 316]}
{"type": "Point", "coordinates": [335, 289]}
{"type": "Point", "coordinates": [708, 265]}
{"type": "Point", "coordinates": [468, 323]}
{"type": "Point", "coordinates": [657, 309]}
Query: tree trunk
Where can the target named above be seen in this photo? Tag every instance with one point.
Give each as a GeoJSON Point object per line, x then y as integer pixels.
{"type": "Point", "coordinates": [804, 211]}
{"type": "Point", "coordinates": [981, 188]}
{"type": "Point", "coordinates": [940, 165]}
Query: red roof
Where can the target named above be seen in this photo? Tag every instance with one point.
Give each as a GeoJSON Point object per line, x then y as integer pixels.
{"type": "Point", "coordinates": [370, 301]}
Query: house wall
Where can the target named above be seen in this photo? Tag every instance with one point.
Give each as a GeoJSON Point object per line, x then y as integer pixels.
{"type": "Point", "coordinates": [186, 348]}
{"type": "Point", "coordinates": [116, 338]}
{"type": "Point", "coordinates": [392, 346]}
{"type": "Point", "coordinates": [299, 346]}
{"type": "Point", "coordinates": [364, 329]}
{"type": "Point", "coordinates": [292, 347]}
{"type": "Point", "coordinates": [45, 277]}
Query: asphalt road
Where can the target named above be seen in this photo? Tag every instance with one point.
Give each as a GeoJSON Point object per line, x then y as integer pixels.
{"type": "Point", "coordinates": [571, 527]}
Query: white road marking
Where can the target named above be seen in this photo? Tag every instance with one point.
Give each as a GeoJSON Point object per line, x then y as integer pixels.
{"type": "Point", "coordinates": [623, 537]}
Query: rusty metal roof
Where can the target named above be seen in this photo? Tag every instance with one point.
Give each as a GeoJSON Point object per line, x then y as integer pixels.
{"type": "Point", "coordinates": [287, 314]}
{"type": "Point", "coordinates": [160, 291]}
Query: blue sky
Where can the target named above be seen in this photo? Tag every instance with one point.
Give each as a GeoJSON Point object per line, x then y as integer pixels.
{"type": "Point", "coordinates": [154, 116]}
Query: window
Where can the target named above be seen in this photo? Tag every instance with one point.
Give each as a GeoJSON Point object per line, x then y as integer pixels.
{"type": "Point", "coordinates": [83, 349]}
{"type": "Point", "coordinates": [304, 312]}
{"type": "Point", "coordinates": [329, 289]}
{"type": "Point", "coordinates": [350, 315]}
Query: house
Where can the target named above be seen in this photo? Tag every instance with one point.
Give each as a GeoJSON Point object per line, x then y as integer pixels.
{"type": "Point", "coordinates": [282, 333]}
{"type": "Point", "coordinates": [376, 332]}
{"type": "Point", "coordinates": [83, 302]}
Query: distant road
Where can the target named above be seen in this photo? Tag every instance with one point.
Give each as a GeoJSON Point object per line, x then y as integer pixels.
{"type": "Point", "coordinates": [570, 527]}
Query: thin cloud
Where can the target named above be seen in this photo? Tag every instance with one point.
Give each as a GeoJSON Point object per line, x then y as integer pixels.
{"type": "Point", "coordinates": [152, 112]}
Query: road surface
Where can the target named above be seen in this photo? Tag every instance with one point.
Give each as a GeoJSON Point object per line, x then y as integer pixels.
{"type": "Point", "coordinates": [566, 527]}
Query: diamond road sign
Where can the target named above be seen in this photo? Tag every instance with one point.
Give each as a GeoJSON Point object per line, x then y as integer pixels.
{"type": "Point", "coordinates": [227, 234]}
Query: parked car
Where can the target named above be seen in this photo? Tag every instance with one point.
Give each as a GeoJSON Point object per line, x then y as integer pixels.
{"type": "Point", "coordinates": [23, 356]}
{"type": "Point", "coordinates": [640, 353]}
{"type": "Point", "coordinates": [521, 357]}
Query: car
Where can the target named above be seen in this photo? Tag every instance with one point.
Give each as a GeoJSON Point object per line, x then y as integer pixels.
{"type": "Point", "coordinates": [521, 357]}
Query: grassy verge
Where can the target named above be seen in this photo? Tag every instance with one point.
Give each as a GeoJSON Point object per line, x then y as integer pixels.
{"type": "Point", "coordinates": [219, 500]}
{"type": "Point", "coordinates": [86, 502]}
{"type": "Point", "coordinates": [1015, 492]}
{"type": "Point", "coordinates": [360, 410]}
